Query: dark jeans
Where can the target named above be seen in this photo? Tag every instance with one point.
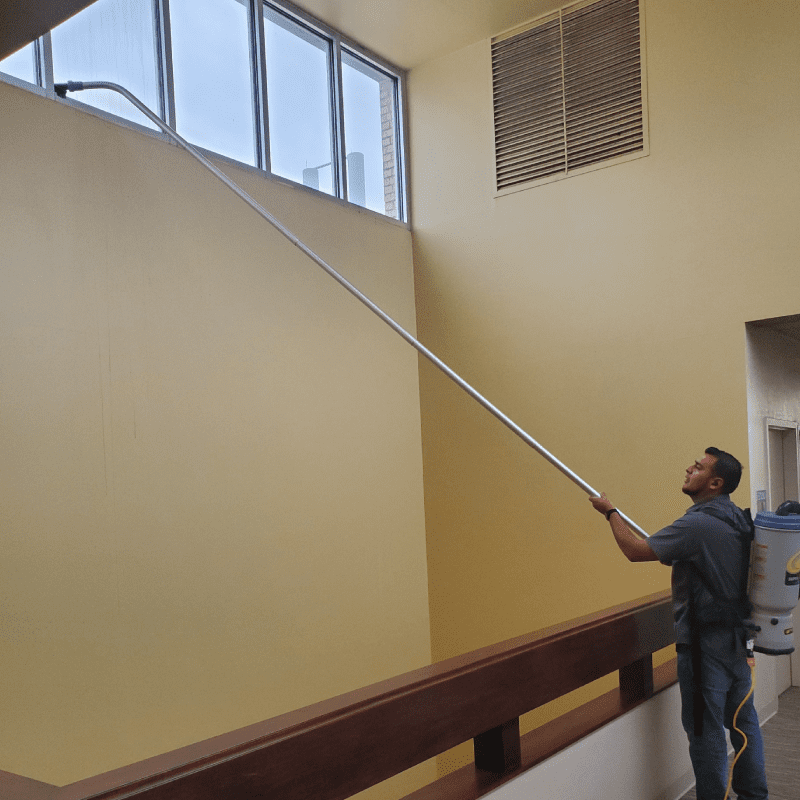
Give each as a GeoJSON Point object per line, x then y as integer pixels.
{"type": "Point", "coordinates": [725, 682]}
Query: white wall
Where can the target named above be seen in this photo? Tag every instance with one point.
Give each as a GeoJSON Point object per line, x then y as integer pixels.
{"type": "Point", "coordinates": [773, 391]}
{"type": "Point", "coordinates": [641, 756]}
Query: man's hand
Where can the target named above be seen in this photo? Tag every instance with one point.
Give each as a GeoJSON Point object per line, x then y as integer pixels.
{"type": "Point", "coordinates": [601, 504]}
{"type": "Point", "coordinates": [633, 547]}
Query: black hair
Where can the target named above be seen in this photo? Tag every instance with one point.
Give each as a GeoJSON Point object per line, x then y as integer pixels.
{"type": "Point", "coordinates": [726, 467]}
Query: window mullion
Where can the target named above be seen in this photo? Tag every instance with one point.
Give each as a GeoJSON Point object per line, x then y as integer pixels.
{"type": "Point", "coordinates": [337, 116]}
{"type": "Point", "coordinates": [44, 60]}
{"type": "Point", "coordinates": [401, 161]}
{"type": "Point", "coordinates": [160, 37]}
{"type": "Point", "coordinates": [38, 62]}
{"type": "Point", "coordinates": [166, 78]}
{"type": "Point", "coordinates": [261, 99]}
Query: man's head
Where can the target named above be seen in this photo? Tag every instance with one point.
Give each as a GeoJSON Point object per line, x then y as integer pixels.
{"type": "Point", "coordinates": [716, 473]}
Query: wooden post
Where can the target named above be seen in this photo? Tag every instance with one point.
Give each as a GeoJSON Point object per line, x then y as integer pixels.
{"type": "Point", "coordinates": [498, 750]}
{"type": "Point", "coordinates": [636, 680]}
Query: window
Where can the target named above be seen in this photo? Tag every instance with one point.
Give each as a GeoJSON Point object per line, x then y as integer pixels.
{"type": "Point", "coordinates": [306, 131]}
{"type": "Point", "coordinates": [370, 125]}
{"type": "Point", "coordinates": [568, 92]}
{"type": "Point", "coordinates": [212, 76]}
{"type": "Point", "coordinates": [22, 64]}
{"type": "Point", "coordinates": [258, 81]}
{"type": "Point", "coordinates": [299, 102]}
{"type": "Point", "coordinates": [114, 41]}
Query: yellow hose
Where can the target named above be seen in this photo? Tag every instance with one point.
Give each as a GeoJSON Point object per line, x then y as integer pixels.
{"type": "Point", "coordinates": [752, 662]}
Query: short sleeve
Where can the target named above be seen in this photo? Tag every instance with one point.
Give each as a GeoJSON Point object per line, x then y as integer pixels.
{"type": "Point", "coordinates": [676, 542]}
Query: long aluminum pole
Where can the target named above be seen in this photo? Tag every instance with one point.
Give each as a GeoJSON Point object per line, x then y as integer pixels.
{"type": "Point", "coordinates": [77, 86]}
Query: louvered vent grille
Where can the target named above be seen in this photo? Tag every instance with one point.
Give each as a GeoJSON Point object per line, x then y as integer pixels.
{"type": "Point", "coordinates": [567, 92]}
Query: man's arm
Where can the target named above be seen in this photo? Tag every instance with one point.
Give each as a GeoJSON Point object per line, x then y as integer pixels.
{"type": "Point", "coordinates": [633, 548]}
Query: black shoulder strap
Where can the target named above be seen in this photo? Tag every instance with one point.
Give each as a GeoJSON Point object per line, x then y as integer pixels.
{"type": "Point", "coordinates": [741, 606]}
{"type": "Point", "coordinates": [749, 518]}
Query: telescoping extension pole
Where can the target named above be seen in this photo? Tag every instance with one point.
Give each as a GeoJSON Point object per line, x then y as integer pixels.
{"type": "Point", "coordinates": [78, 86]}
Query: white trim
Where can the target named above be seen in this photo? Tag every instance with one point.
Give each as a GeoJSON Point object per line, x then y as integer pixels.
{"type": "Point", "coordinates": [771, 423]}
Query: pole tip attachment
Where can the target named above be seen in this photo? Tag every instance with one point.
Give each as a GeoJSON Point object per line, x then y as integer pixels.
{"type": "Point", "coordinates": [61, 89]}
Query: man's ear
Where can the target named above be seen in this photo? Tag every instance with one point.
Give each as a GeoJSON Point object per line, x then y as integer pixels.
{"type": "Point", "coordinates": [715, 484]}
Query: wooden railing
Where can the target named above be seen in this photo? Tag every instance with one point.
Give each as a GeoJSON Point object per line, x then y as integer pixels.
{"type": "Point", "coordinates": [333, 749]}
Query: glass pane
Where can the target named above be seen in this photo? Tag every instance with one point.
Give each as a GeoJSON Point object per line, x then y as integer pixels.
{"type": "Point", "coordinates": [299, 102]}
{"type": "Point", "coordinates": [21, 64]}
{"type": "Point", "coordinates": [113, 41]}
{"type": "Point", "coordinates": [370, 136]}
{"type": "Point", "coordinates": [212, 75]}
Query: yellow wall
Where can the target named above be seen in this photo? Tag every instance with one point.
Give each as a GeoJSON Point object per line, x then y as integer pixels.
{"type": "Point", "coordinates": [212, 485]}
{"type": "Point", "coordinates": [211, 460]}
{"type": "Point", "coordinates": [604, 313]}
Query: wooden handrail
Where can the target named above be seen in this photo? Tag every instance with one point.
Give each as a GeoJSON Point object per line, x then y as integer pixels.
{"type": "Point", "coordinates": [336, 748]}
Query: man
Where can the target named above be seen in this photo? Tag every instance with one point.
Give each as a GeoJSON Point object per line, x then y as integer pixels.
{"type": "Point", "coordinates": [705, 549]}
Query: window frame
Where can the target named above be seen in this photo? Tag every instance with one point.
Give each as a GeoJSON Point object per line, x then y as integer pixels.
{"type": "Point", "coordinates": [396, 120]}
{"type": "Point", "coordinates": [259, 96]}
{"type": "Point", "coordinates": [314, 31]}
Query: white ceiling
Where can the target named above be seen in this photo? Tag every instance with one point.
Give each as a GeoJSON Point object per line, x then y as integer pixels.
{"type": "Point", "coordinates": [410, 32]}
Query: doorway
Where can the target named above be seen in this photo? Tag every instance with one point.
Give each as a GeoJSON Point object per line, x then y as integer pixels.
{"type": "Point", "coordinates": [782, 461]}
{"type": "Point", "coordinates": [773, 411]}
{"type": "Point", "coordinates": [782, 482]}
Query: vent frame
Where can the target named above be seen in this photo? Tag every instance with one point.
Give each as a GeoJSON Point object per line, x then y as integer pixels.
{"type": "Point", "coordinates": [514, 126]}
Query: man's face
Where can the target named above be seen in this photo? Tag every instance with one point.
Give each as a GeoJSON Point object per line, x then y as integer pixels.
{"type": "Point", "coordinates": [699, 475]}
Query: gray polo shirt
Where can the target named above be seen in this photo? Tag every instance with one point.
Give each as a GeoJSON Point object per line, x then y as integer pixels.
{"type": "Point", "coordinates": [709, 535]}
